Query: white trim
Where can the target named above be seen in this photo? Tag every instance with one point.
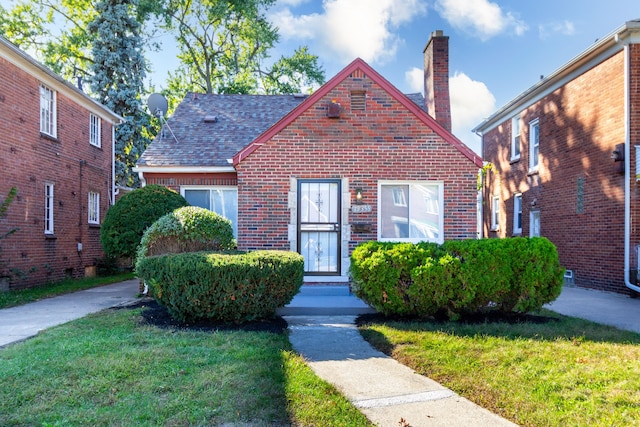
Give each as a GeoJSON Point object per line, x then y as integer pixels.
{"type": "Point", "coordinates": [441, 208]}
{"type": "Point", "coordinates": [516, 120]}
{"type": "Point", "coordinates": [534, 124]}
{"type": "Point", "coordinates": [532, 215]}
{"type": "Point", "coordinates": [183, 169]}
{"type": "Point", "coordinates": [95, 135]}
{"type": "Point", "coordinates": [49, 206]}
{"type": "Point", "coordinates": [495, 212]}
{"type": "Point", "coordinates": [93, 206]}
{"type": "Point", "coordinates": [517, 200]}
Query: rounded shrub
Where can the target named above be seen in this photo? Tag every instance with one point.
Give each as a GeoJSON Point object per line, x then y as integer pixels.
{"type": "Point", "coordinates": [227, 287]}
{"type": "Point", "coordinates": [126, 221]}
{"type": "Point", "coordinates": [187, 229]}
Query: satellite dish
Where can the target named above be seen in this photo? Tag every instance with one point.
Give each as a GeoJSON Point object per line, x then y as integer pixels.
{"type": "Point", "coordinates": [157, 105]}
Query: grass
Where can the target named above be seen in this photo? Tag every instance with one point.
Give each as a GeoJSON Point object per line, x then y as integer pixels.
{"type": "Point", "coordinates": [23, 296]}
{"type": "Point", "coordinates": [565, 372]}
{"type": "Point", "coordinates": [112, 369]}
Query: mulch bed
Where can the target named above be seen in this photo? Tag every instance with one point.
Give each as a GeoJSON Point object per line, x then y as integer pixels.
{"type": "Point", "coordinates": [157, 315]}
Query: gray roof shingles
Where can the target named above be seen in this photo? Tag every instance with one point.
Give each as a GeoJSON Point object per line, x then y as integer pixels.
{"type": "Point", "coordinates": [239, 120]}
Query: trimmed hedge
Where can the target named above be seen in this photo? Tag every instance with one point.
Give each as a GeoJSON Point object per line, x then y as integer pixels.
{"type": "Point", "coordinates": [126, 221]}
{"type": "Point", "coordinates": [187, 229]}
{"type": "Point", "coordinates": [236, 287]}
{"type": "Point", "coordinates": [458, 277]}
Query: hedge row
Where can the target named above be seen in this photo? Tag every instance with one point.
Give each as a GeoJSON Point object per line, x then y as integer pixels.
{"type": "Point", "coordinates": [229, 287]}
{"type": "Point", "coordinates": [458, 277]}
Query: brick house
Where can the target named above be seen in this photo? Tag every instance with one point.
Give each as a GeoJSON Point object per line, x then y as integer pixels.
{"type": "Point", "coordinates": [57, 150]}
{"type": "Point", "coordinates": [357, 160]}
{"type": "Point", "coordinates": [564, 155]}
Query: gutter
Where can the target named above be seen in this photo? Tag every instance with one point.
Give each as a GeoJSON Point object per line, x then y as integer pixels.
{"type": "Point", "coordinates": [627, 171]}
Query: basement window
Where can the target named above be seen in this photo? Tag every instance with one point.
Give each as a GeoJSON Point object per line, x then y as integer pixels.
{"type": "Point", "coordinates": [358, 100]}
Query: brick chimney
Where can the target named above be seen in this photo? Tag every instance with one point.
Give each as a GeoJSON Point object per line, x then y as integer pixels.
{"type": "Point", "coordinates": [436, 79]}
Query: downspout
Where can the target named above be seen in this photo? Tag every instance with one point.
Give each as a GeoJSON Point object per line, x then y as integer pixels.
{"type": "Point", "coordinates": [113, 164]}
{"type": "Point", "coordinates": [480, 197]}
{"type": "Point", "coordinates": [627, 172]}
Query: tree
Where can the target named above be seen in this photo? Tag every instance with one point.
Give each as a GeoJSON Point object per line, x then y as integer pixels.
{"type": "Point", "coordinates": [119, 70]}
{"type": "Point", "coordinates": [224, 47]}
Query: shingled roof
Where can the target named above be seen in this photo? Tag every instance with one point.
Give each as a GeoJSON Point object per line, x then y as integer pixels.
{"type": "Point", "coordinates": [209, 129]}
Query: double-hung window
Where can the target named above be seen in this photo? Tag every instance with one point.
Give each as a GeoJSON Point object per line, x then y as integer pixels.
{"type": "Point", "coordinates": [47, 111]}
{"type": "Point", "coordinates": [48, 208]}
{"type": "Point", "coordinates": [534, 145]}
{"type": "Point", "coordinates": [94, 208]}
{"type": "Point", "coordinates": [515, 138]}
{"type": "Point", "coordinates": [94, 130]}
{"type": "Point", "coordinates": [410, 211]}
{"type": "Point", "coordinates": [495, 213]}
{"type": "Point", "coordinates": [517, 213]}
{"type": "Point", "coordinates": [221, 200]}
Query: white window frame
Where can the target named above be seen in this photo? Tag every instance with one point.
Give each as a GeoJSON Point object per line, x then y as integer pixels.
{"type": "Point", "coordinates": [95, 128]}
{"type": "Point", "coordinates": [93, 208]}
{"type": "Point", "coordinates": [517, 213]}
{"type": "Point", "coordinates": [183, 189]}
{"type": "Point", "coordinates": [48, 208]}
{"type": "Point", "coordinates": [515, 138]}
{"type": "Point", "coordinates": [495, 213]}
{"type": "Point", "coordinates": [534, 145]}
{"type": "Point", "coordinates": [48, 111]}
{"type": "Point", "coordinates": [407, 201]}
{"type": "Point", "coordinates": [534, 217]}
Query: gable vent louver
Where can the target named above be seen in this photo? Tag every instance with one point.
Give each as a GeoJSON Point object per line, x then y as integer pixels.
{"type": "Point", "coordinates": [358, 100]}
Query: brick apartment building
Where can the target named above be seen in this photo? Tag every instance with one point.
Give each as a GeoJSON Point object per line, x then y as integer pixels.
{"type": "Point", "coordinates": [565, 157]}
{"type": "Point", "coordinates": [56, 148]}
{"type": "Point", "coordinates": [357, 160]}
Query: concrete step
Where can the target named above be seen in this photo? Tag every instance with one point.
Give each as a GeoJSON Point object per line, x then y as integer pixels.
{"type": "Point", "coordinates": [325, 300]}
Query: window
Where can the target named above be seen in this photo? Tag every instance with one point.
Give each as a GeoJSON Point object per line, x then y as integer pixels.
{"type": "Point", "coordinates": [47, 111]}
{"type": "Point", "coordinates": [515, 138]}
{"type": "Point", "coordinates": [534, 145]}
{"type": "Point", "coordinates": [517, 214]}
{"type": "Point", "coordinates": [94, 130]}
{"type": "Point", "coordinates": [495, 213]}
{"type": "Point", "coordinates": [534, 218]}
{"type": "Point", "coordinates": [94, 208]}
{"type": "Point", "coordinates": [221, 200]}
{"type": "Point", "coordinates": [410, 211]}
{"type": "Point", "coordinates": [48, 208]}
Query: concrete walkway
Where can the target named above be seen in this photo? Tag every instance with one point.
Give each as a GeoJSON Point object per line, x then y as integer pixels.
{"type": "Point", "coordinates": [24, 321]}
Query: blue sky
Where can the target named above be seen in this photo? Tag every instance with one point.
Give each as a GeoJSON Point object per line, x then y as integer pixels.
{"type": "Point", "coordinates": [497, 48]}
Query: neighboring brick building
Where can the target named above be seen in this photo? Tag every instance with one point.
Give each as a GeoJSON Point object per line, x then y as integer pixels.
{"type": "Point", "coordinates": [357, 160]}
{"type": "Point", "coordinates": [56, 148]}
{"type": "Point", "coordinates": [565, 163]}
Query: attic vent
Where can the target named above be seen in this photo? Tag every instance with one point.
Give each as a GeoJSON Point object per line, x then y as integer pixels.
{"type": "Point", "coordinates": [358, 100]}
{"type": "Point", "coordinates": [210, 119]}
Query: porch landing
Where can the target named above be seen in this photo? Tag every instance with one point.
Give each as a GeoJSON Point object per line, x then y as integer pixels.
{"type": "Point", "coordinates": [325, 299]}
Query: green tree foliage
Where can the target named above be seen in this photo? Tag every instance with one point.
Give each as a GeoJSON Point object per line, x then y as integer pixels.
{"type": "Point", "coordinates": [224, 48]}
{"type": "Point", "coordinates": [118, 70]}
{"type": "Point", "coordinates": [126, 221]}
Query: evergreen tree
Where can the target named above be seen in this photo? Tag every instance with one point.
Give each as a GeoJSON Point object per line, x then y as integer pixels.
{"type": "Point", "coordinates": [118, 72]}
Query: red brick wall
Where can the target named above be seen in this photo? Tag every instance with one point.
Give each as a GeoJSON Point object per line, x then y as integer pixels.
{"type": "Point", "coordinates": [28, 161]}
{"type": "Point", "coordinates": [385, 142]}
{"type": "Point", "coordinates": [580, 125]}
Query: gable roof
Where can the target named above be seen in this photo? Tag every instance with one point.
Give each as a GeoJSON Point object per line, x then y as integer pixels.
{"type": "Point", "coordinates": [358, 64]}
{"type": "Point", "coordinates": [22, 60]}
{"type": "Point", "coordinates": [207, 129]}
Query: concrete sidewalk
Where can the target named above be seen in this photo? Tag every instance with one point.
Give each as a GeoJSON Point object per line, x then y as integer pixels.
{"type": "Point", "coordinates": [24, 321]}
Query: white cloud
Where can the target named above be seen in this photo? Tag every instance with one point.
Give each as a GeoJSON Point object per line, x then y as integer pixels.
{"type": "Point", "coordinates": [565, 28]}
{"type": "Point", "coordinates": [471, 102]}
{"type": "Point", "coordinates": [352, 28]}
{"type": "Point", "coordinates": [481, 18]}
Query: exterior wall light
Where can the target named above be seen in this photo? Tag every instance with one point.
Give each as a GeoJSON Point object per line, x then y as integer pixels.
{"type": "Point", "coordinates": [358, 196]}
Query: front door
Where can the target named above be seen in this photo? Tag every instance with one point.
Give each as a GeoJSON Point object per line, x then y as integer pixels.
{"type": "Point", "coordinates": [319, 226]}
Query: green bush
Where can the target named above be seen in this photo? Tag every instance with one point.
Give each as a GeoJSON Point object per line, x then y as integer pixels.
{"type": "Point", "coordinates": [126, 221]}
{"type": "Point", "coordinates": [228, 287]}
{"type": "Point", "coordinates": [187, 229]}
{"type": "Point", "coordinates": [459, 277]}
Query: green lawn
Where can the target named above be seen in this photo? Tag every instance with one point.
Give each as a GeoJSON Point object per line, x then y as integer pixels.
{"type": "Point", "coordinates": [112, 369]}
{"type": "Point", "coordinates": [565, 372]}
